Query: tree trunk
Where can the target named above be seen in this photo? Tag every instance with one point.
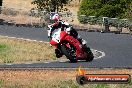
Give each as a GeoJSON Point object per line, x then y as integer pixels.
{"type": "Point", "coordinates": [57, 9]}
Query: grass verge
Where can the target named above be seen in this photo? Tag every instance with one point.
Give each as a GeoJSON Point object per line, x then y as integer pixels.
{"type": "Point", "coordinates": [19, 51]}
{"type": "Point", "coordinates": [54, 79]}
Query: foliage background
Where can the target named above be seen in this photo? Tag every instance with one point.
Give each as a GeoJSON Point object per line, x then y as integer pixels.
{"type": "Point", "coordinates": [51, 5]}
{"type": "Point", "coordinates": [106, 8]}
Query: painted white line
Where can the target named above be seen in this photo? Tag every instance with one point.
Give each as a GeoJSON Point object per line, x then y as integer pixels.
{"type": "Point", "coordinates": [62, 61]}
{"type": "Point", "coordinates": [27, 63]}
{"type": "Point", "coordinates": [24, 39]}
{"type": "Point", "coordinates": [47, 62]}
{"type": "Point", "coordinates": [9, 64]}
{"type": "Point", "coordinates": [102, 54]}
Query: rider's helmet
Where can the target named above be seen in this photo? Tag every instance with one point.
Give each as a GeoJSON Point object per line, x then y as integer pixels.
{"type": "Point", "coordinates": [54, 17]}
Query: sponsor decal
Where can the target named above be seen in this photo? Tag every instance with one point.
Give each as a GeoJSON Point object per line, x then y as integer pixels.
{"type": "Point", "coordinates": [83, 78]}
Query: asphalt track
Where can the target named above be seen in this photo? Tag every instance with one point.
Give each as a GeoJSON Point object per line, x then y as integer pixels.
{"type": "Point", "coordinates": [117, 48]}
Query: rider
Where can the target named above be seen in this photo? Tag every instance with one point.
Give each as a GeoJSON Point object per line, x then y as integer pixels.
{"type": "Point", "coordinates": [57, 23]}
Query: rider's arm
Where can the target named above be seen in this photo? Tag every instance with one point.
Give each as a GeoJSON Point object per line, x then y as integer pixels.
{"type": "Point", "coordinates": [49, 30]}
{"type": "Point", "coordinates": [67, 26]}
{"type": "Point", "coordinates": [70, 29]}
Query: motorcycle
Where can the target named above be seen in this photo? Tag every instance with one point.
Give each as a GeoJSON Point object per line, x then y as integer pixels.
{"type": "Point", "coordinates": [70, 47]}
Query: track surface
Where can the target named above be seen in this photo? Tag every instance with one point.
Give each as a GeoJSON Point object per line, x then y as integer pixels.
{"type": "Point", "coordinates": [117, 48]}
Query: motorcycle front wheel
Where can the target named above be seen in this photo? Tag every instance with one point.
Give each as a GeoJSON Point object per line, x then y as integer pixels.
{"type": "Point", "coordinates": [68, 54]}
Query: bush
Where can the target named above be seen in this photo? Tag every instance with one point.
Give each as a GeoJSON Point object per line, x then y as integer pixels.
{"type": "Point", "coordinates": [106, 8]}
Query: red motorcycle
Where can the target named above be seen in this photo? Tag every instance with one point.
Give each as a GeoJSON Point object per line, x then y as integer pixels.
{"type": "Point", "coordinates": [70, 47]}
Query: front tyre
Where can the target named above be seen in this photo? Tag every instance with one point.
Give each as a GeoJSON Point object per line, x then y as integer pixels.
{"type": "Point", "coordinates": [68, 54]}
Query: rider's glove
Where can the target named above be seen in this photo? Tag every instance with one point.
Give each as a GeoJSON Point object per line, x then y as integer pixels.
{"type": "Point", "coordinates": [50, 45]}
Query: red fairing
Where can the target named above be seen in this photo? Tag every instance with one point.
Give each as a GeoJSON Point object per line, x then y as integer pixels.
{"type": "Point", "coordinates": [76, 43]}
{"type": "Point", "coordinates": [53, 43]}
{"type": "Point", "coordinates": [63, 34]}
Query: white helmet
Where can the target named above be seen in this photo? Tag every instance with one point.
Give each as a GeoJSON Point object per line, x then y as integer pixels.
{"type": "Point", "coordinates": [54, 17]}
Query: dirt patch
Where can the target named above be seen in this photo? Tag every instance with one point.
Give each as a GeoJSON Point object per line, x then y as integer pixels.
{"type": "Point", "coordinates": [50, 77]}
{"type": "Point", "coordinates": [29, 75]}
{"type": "Point", "coordinates": [20, 19]}
{"type": "Point", "coordinates": [24, 5]}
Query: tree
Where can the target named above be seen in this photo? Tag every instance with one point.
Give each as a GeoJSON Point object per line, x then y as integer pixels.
{"type": "Point", "coordinates": [0, 5]}
{"type": "Point", "coordinates": [109, 8]}
{"type": "Point", "coordinates": [51, 5]}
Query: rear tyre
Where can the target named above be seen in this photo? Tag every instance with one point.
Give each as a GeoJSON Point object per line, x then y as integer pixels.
{"type": "Point", "coordinates": [68, 55]}
{"type": "Point", "coordinates": [90, 57]}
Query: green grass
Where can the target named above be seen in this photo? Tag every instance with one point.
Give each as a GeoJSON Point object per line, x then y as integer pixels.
{"type": "Point", "coordinates": [1, 83]}
{"type": "Point", "coordinates": [101, 86]}
{"type": "Point", "coordinates": [4, 51]}
{"type": "Point", "coordinates": [2, 47]}
{"type": "Point", "coordinates": [21, 51]}
{"type": "Point", "coordinates": [60, 84]}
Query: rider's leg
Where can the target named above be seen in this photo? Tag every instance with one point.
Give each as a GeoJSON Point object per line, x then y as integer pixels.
{"type": "Point", "coordinates": [74, 33]}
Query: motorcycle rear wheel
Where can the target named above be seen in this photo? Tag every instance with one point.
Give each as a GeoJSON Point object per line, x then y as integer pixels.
{"type": "Point", "coordinates": [90, 55]}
